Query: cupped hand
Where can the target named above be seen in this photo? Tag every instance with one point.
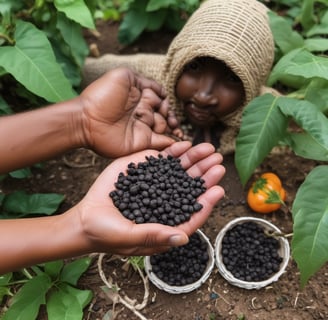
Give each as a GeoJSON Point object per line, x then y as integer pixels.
{"type": "Point", "coordinates": [107, 230]}
{"type": "Point", "coordinates": [124, 112]}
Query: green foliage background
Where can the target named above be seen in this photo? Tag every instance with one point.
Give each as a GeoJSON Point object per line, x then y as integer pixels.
{"type": "Point", "coordinates": [42, 52]}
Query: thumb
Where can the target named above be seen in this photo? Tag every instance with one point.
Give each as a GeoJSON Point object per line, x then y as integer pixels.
{"type": "Point", "coordinates": [150, 235]}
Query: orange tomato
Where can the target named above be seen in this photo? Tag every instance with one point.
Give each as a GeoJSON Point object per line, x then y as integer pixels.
{"type": "Point", "coordinates": [266, 194]}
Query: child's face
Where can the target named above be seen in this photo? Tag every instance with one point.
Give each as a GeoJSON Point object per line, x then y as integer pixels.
{"type": "Point", "coordinates": [208, 90]}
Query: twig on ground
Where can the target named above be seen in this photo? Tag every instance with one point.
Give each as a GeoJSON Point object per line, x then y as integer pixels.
{"type": "Point", "coordinates": [126, 301]}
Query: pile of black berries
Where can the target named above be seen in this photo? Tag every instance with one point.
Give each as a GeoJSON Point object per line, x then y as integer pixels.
{"type": "Point", "coordinates": [157, 190]}
{"type": "Point", "coordinates": [250, 254]}
{"type": "Point", "coordinates": [183, 265]}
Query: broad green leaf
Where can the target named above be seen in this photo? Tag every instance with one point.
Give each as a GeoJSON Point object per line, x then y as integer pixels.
{"type": "Point", "coordinates": [53, 268]}
{"type": "Point", "coordinates": [134, 23]}
{"type": "Point", "coordinates": [26, 303]}
{"type": "Point", "coordinates": [307, 17]}
{"type": "Point", "coordinates": [284, 36]}
{"type": "Point", "coordinates": [77, 11]}
{"type": "Point", "coordinates": [279, 72]}
{"type": "Point", "coordinates": [61, 305]}
{"type": "Point", "coordinates": [308, 117]}
{"type": "Point", "coordinates": [304, 145]}
{"type": "Point", "coordinates": [310, 223]}
{"type": "Point", "coordinates": [263, 125]}
{"type": "Point", "coordinates": [21, 173]}
{"type": "Point", "coordinates": [319, 28]}
{"type": "Point", "coordinates": [308, 65]}
{"type": "Point", "coordinates": [72, 35]}
{"type": "Point", "coordinates": [317, 93]}
{"type": "Point", "coordinates": [84, 297]}
{"type": "Point", "coordinates": [156, 20]}
{"type": "Point", "coordinates": [22, 203]}
{"type": "Point", "coordinates": [32, 62]}
{"type": "Point", "coordinates": [66, 303]}
{"type": "Point", "coordinates": [317, 45]}
{"type": "Point", "coordinates": [72, 271]}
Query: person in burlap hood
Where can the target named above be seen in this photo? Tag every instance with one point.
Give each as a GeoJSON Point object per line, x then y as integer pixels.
{"type": "Point", "coordinates": [216, 65]}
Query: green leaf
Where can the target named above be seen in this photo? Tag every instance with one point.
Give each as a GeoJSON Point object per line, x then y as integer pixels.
{"type": "Point", "coordinates": [279, 71]}
{"type": "Point", "coordinates": [5, 278]}
{"type": "Point", "coordinates": [317, 93]}
{"type": "Point", "coordinates": [155, 5]}
{"type": "Point", "coordinates": [4, 291]}
{"type": "Point", "coordinates": [84, 297]}
{"type": "Point", "coordinates": [284, 36]}
{"type": "Point", "coordinates": [307, 17]}
{"type": "Point", "coordinates": [53, 268]}
{"type": "Point", "coordinates": [263, 125]}
{"type": "Point", "coordinates": [21, 173]}
{"type": "Point", "coordinates": [32, 62]}
{"type": "Point", "coordinates": [134, 23]}
{"type": "Point", "coordinates": [308, 65]}
{"type": "Point", "coordinates": [156, 20]}
{"type": "Point", "coordinates": [77, 11]}
{"type": "Point", "coordinates": [62, 305]}
{"type": "Point", "coordinates": [319, 28]}
{"type": "Point", "coordinates": [22, 203]}
{"type": "Point", "coordinates": [304, 145]}
{"type": "Point", "coordinates": [26, 303]}
{"type": "Point", "coordinates": [309, 118]}
{"type": "Point", "coordinates": [310, 215]}
{"type": "Point", "coordinates": [73, 37]}
{"type": "Point", "coordinates": [72, 271]}
{"type": "Point", "coordinates": [67, 303]}
{"type": "Point", "coordinates": [317, 45]}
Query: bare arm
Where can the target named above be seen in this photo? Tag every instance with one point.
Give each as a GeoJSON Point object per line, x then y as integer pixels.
{"type": "Point", "coordinates": [96, 225]}
{"type": "Point", "coordinates": [120, 113]}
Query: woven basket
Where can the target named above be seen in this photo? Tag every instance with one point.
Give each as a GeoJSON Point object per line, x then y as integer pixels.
{"type": "Point", "coordinates": [284, 252]}
{"type": "Point", "coordinates": [187, 288]}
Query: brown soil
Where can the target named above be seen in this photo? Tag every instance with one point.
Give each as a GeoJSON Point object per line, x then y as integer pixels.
{"type": "Point", "coordinates": [73, 173]}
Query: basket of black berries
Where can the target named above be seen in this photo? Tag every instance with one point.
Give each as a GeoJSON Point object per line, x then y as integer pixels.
{"type": "Point", "coordinates": [251, 253]}
{"type": "Point", "coordinates": [182, 269]}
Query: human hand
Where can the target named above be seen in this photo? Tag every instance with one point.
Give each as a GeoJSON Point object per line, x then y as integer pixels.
{"type": "Point", "coordinates": [124, 112]}
{"type": "Point", "coordinates": [105, 228]}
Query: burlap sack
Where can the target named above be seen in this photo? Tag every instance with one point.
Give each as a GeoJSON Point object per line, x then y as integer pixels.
{"type": "Point", "coordinates": [234, 31]}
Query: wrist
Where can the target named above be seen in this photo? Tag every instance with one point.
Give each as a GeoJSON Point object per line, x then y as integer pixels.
{"type": "Point", "coordinates": [77, 125]}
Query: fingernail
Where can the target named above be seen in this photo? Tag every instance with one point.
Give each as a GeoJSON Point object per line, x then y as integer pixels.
{"type": "Point", "coordinates": [178, 240]}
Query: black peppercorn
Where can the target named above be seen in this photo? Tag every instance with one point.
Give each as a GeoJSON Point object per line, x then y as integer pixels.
{"type": "Point", "coordinates": [157, 190]}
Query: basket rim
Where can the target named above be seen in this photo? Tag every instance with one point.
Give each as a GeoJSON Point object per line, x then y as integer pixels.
{"type": "Point", "coordinates": [250, 284]}
{"type": "Point", "coordinates": [160, 284]}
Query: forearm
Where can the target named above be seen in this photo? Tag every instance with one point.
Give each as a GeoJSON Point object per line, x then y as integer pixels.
{"type": "Point", "coordinates": [38, 135]}
{"type": "Point", "coordinates": [26, 242]}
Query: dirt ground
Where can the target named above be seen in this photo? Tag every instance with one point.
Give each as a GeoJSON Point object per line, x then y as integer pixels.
{"type": "Point", "coordinates": [73, 173]}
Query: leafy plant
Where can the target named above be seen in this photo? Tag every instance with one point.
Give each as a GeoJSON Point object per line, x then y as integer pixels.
{"type": "Point", "coordinates": [42, 46]}
{"type": "Point", "coordinates": [152, 15]}
{"type": "Point", "coordinates": [297, 119]}
{"type": "Point", "coordinates": [52, 284]}
{"type": "Point", "coordinates": [20, 204]}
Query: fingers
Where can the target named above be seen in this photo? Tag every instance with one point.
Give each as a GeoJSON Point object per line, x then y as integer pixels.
{"type": "Point", "coordinates": [212, 162]}
{"type": "Point", "coordinates": [143, 83]}
{"type": "Point", "coordinates": [197, 153]}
